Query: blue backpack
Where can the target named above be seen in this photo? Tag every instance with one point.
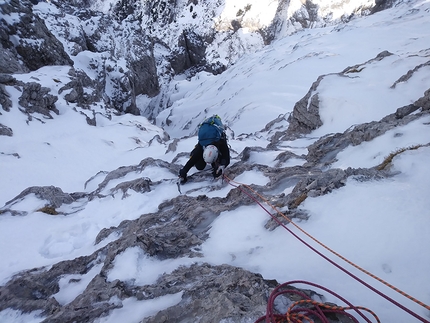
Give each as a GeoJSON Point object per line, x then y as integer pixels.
{"type": "Point", "coordinates": [211, 130]}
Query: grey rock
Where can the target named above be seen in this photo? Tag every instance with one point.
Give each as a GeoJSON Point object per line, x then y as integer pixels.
{"type": "Point", "coordinates": [35, 99]}
{"type": "Point", "coordinates": [323, 152]}
{"type": "Point", "coordinates": [37, 293]}
{"type": "Point", "coordinates": [245, 155]}
{"type": "Point", "coordinates": [144, 76]}
{"type": "Point", "coordinates": [140, 185]}
{"type": "Point", "coordinates": [207, 299]}
{"type": "Point", "coordinates": [424, 101]}
{"type": "Point", "coordinates": [5, 101]}
{"type": "Point", "coordinates": [37, 46]}
{"type": "Point", "coordinates": [410, 73]}
{"type": "Point", "coordinates": [9, 61]}
{"type": "Point", "coordinates": [305, 116]}
{"type": "Point", "coordinates": [406, 110]}
{"type": "Point", "coordinates": [179, 227]}
{"type": "Point", "coordinates": [78, 86]}
{"type": "Point", "coordinates": [383, 4]}
{"type": "Point", "coordinates": [172, 146]}
{"type": "Point", "coordinates": [131, 27]}
{"type": "Point", "coordinates": [7, 79]}
{"type": "Point", "coordinates": [121, 41]}
{"type": "Point", "coordinates": [53, 195]}
{"type": "Point", "coordinates": [307, 16]}
{"type": "Point", "coordinates": [191, 52]}
{"type": "Point", "coordinates": [5, 131]}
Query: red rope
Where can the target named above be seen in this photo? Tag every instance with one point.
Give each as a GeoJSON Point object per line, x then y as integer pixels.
{"type": "Point", "coordinates": [319, 310]}
{"type": "Point", "coordinates": [329, 260]}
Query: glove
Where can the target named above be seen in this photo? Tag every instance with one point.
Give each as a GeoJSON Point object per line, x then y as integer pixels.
{"type": "Point", "coordinates": [183, 176]}
{"type": "Point", "coordinates": [219, 171]}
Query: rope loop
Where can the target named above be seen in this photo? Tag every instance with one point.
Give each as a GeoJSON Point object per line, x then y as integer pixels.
{"type": "Point", "coordinates": [308, 310]}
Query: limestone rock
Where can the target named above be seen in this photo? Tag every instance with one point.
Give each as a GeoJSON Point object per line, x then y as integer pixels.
{"type": "Point", "coordinates": [5, 131]}
{"type": "Point", "coordinates": [35, 99]}
{"type": "Point", "coordinates": [53, 195]}
{"type": "Point", "coordinates": [30, 39]}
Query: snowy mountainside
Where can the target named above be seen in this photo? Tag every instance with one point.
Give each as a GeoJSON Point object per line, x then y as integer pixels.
{"type": "Point", "coordinates": [330, 125]}
{"type": "Point", "coordinates": [290, 66]}
{"type": "Point", "coordinates": [138, 47]}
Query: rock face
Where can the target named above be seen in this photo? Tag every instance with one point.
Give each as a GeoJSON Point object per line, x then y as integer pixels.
{"type": "Point", "coordinates": [35, 98]}
{"type": "Point", "coordinates": [29, 39]}
{"type": "Point", "coordinates": [5, 131]}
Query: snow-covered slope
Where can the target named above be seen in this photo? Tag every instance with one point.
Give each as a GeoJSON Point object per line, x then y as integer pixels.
{"type": "Point", "coordinates": [269, 82]}
{"type": "Point", "coordinates": [380, 223]}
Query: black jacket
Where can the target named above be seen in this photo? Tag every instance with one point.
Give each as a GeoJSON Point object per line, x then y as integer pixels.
{"type": "Point", "coordinates": [196, 156]}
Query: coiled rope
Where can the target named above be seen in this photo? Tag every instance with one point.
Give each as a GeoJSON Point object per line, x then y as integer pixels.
{"type": "Point", "coordinates": [248, 193]}
{"type": "Point", "coordinates": [306, 308]}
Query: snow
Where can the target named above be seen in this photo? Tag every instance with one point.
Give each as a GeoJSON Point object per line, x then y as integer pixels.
{"type": "Point", "coordinates": [256, 13]}
{"type": "Point", "coordinates": [134, 310]}
{"type": "Point", "coordinates": [103, 5]}
{"type": "Point", "coordinates": [371, 153]}
{"type": "Point", "coordinates": [69, 290]}
{"type": "Point", "coordinates": [381, 225]}
{"type": "Point", "coordinates": [282, 74]}
{"type": "Point", "coordinates": [338, 8]}
{"type": "Point", "coordinates": [144, 269]}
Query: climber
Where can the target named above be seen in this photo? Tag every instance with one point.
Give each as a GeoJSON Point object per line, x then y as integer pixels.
{"type": "Point", "coordinates": [212, 148]}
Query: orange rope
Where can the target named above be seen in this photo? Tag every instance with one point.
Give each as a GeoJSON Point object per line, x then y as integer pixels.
{"type": "Point", "coordinates": [329, 307]}
{"type": "Point", "coordinates": [332, 251]}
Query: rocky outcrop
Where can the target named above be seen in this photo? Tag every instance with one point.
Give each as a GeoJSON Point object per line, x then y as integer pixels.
{"type": "Point", "coordinates": [324, 151]}
{"type": "Point", "coordinates": [383, 4]}
{"type": "Point", "coordinates": [204, 293]}
{"type": "Point", "coordinates": [305, 116]}
{"type": "Point", "coordinates": [180, 226]}
{"type": "Point", "coordinates": [36, 99]}
{"type": "Point", "coordinates": [123, 62]}
{"type": "Point", "coordinates": [5, 101]}
{"type": "Point", "coordinates": [314, 14]}
{"type": "Point", "coordinates": [78, 87]}
{"type": "Point", "coordinates": [53, 196]}
{"type": "Point", "coordinates": [28, 41]}
{"type": "Point", "coordinates": [191, 52]}
{"type": "Point", "coordinates": [5, 131]}
{"type": "Point", "coordinates": [241, 293]}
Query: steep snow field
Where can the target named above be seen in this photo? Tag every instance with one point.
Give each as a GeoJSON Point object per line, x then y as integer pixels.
{"type": "Point", "coordinates": [382, 226]}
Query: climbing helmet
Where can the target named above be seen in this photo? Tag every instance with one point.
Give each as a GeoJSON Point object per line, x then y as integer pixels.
{"type": "Point", "coordinates": [210, 154]}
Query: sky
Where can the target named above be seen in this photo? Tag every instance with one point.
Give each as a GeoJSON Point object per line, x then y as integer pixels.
{"type": "Point", "coordinates": [381, 225]}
